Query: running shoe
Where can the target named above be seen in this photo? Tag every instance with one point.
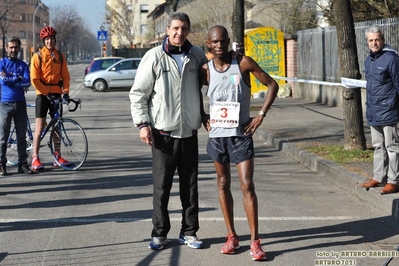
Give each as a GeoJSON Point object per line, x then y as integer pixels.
{"type": "Point", "coordinates": [36, 164]}
{"type": "Point", "coordinates": [190, 241]}
{"type": "Point", "coordinates": [158, 242]}
{"type": "Point", "coordinates": [61, 160]}
{"type": "Point", "coordinates": [3, 170]}
{"type": "Point", "coordinates": [23, 168]}
{"type": "Point", "coordinates": [231, 245]}
{"type": "Point", "coordinates": [257, 252]}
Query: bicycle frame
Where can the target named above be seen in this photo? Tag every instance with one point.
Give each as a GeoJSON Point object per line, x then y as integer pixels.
{"type": "Point", "coordinates": [66, 136]}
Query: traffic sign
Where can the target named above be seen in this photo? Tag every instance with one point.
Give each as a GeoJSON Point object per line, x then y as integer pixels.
{"type": "Point", "coordinates": [102, 35]}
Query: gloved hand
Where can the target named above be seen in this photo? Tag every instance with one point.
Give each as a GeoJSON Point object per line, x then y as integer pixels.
{"type": "Point", "coordinates": [65, 97]}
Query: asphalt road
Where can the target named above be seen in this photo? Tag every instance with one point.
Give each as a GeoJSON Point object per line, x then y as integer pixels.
{"type": "Point", "coordinates": [101, 214]}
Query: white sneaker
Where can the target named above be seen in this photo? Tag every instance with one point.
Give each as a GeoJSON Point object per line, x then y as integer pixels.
{"type": "Point", "coordinates": [158, 242]}
{"type": "Point", "coordinates": [191, 241]}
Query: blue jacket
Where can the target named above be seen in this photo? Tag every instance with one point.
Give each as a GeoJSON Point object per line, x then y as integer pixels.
{"type": "Point", "coordinates": [15, 79]}
{"type": "Point", "coordinates": [382, 75]}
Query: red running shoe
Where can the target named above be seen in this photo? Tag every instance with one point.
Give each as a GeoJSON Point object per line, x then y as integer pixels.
{"type": "Point", "coordinates": [231, 245]}
{"type": "Point", "coordinates": [257, 252]}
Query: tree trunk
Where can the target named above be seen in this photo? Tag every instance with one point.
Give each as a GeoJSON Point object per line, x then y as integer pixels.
{"type": "Point", "coordinates": [354, 137]}
{"type": "Point", "coordinates": [238, 25]}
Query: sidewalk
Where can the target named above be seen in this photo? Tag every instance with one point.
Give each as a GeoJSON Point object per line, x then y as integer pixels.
{"type": "Point", "coordinates": [291, 125]}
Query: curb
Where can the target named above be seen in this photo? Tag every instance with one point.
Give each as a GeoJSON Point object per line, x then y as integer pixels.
{"type": "Point", "coordinates": [335, 173]}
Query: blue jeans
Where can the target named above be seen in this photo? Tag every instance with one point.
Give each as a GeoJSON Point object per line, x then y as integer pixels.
{"type": "Point", "coordinates": [16, 111]}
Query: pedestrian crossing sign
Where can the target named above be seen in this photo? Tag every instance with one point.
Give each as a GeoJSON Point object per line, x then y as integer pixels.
{"type": "Point", "coordinates": [102, 35]}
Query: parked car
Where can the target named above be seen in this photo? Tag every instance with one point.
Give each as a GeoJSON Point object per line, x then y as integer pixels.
{"type": "Point", "coordinates": [101, 63]}
{"type": "Point", "coordinates": [120, 74]}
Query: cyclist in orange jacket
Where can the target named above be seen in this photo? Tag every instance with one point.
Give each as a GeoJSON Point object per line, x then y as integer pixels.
{"type": "Point", "coordinates": [49, 75]}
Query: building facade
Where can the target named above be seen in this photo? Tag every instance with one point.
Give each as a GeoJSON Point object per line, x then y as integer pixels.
{"type": "Point", "coordinates": [25, 19]}
{"type": "Point", "coordinates": [129, 24]}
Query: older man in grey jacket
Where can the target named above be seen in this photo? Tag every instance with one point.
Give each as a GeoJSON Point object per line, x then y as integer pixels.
{"type": "Point", "coordinates": [166, 107]}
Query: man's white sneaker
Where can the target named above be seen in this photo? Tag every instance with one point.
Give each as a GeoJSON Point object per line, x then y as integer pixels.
{"type": "Point", "coordinates": [191, 241]}
{"type": "Point", "coordinates": [158, 242]}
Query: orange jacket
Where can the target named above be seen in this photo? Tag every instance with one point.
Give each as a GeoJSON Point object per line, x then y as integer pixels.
{"type": "Point", "coordinates": [45, 78]}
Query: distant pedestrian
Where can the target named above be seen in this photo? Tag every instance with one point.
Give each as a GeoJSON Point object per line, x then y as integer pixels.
{"type": "Point", "coordinates": [382, 74]}
{"type": "Point", "coordinates": [231, 129]}
{"type": "Point", "coordinates": [14, 78]}
{"type": "Point", "coordinates": [165, 105]}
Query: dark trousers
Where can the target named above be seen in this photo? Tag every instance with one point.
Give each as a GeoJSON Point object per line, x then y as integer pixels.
{"type": "Point", "coordinates": [168, 155]}
{"type": "Point", "coordinates": [13, 111]}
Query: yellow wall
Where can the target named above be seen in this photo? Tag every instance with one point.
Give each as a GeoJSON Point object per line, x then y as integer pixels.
{"type": "Point", "coordinates": [266, 46]}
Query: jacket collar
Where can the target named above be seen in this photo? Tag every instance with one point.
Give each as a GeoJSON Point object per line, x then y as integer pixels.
{"type": "Point", "coordinates": [186, 46]}
{"type": "Point", "coordinates": [385, 48]}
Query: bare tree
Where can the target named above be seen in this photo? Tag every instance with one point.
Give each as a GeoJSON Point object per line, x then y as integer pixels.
{"type": "Point", "coordinates": [71, 32]}
{"type": "Point", "coordinates": [354, 137]}
{"type": "Point", "coordinates": [288, 16]}
{"type": "Point", "coordinates": [363, 10]}
{"type": "Point", "coordinates": [203, 18]}
{"type": "Point", "coordinates": [173, 4]}
{"type": "Point", "coordinates": [122, 23]}
{"type": "Point", "coordinates": [8, 10]}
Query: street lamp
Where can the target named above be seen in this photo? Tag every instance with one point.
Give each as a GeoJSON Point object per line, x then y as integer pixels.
{"type": "Point", "coordinates": [33, 25]}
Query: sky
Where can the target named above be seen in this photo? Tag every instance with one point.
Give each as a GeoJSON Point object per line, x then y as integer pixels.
{"type": "Point", "coordinates": [92, 11]}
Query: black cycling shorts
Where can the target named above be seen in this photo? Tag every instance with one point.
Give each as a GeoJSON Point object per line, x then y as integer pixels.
{"type": "Point", "coordinates": [43, 105]}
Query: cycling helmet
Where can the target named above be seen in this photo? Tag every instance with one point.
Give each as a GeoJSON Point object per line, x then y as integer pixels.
{"type": "Point", "coordinates": [47, 32]}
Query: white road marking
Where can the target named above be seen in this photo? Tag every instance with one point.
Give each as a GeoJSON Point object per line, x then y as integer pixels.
{"type": "Point", "coordinates": [207, 219]}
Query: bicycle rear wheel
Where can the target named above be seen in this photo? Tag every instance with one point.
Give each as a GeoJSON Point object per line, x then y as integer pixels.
{"type": "Point", "coordinates": [12, 150]}
{"type": "Point", "coordinates": [68, 138]}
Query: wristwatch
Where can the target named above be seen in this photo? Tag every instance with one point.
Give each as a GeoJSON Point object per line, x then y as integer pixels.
{"type": "Point", "coordinates": [262, 113]}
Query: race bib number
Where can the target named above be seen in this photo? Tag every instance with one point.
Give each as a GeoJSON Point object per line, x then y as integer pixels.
{"type": "Point", "coordinates": [225, 114]}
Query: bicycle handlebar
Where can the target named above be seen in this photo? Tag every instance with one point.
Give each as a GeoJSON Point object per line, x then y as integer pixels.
{"type": "Point", "coordinates": [76, 102]}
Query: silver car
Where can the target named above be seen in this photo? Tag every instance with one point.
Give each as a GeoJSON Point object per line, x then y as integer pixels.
{"type": "Point", "coordinates": [120, 74]}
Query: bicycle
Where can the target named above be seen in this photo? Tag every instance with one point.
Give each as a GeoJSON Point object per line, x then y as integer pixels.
{"type": "Point", "coordinates": [66, 137]}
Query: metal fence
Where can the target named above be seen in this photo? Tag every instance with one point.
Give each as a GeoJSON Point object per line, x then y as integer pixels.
{"type": "Point", "coordinates": [318, 57]}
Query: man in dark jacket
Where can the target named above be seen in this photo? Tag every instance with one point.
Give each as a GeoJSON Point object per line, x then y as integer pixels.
{"type": "Point", "coordinates": [382, 74]}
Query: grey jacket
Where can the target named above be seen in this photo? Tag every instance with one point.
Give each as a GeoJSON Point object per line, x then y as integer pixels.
{"type": "Point", "coordinates": [164, 98]}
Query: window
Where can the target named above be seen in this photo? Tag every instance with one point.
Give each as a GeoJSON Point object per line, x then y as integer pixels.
{"type": "Point", "coordinates": [22, 35]}
{"type": "Point", "coordinates": [143, 28]}
{"type": "Point", "coordinates": [143, 8]}
{"type": "Point", "coordinates": [22, 17]}
{"type": "Point", "coordinates": [124, 65]}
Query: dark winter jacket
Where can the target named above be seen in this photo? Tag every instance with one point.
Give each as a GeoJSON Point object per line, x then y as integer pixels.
{"type": "Point", "coordinates": [382, 75]}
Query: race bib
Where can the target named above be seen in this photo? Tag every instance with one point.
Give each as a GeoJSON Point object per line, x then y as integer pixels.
{"type": "Point", "coordinates": [225, 114]}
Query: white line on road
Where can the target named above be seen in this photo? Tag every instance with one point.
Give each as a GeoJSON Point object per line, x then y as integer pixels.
{"type": "Point", "coordinates": [207, 219]}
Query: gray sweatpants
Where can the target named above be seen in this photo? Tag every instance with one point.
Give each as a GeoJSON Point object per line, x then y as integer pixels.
{"type": "Point", "coordinates": [386, 149]}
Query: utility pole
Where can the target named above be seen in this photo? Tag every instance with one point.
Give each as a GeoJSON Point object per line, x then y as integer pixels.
{"type": "Point", "coordinates": [238, 25]}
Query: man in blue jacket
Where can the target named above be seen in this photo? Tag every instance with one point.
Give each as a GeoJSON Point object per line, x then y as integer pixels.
{"type": "Point", "coordinates": [382, 74]}
{"type": "Point", "coordinates": [14, 78]}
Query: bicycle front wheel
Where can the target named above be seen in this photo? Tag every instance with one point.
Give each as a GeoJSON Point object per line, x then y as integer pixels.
{"type": "Point", "coordinates": [68, 144]}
